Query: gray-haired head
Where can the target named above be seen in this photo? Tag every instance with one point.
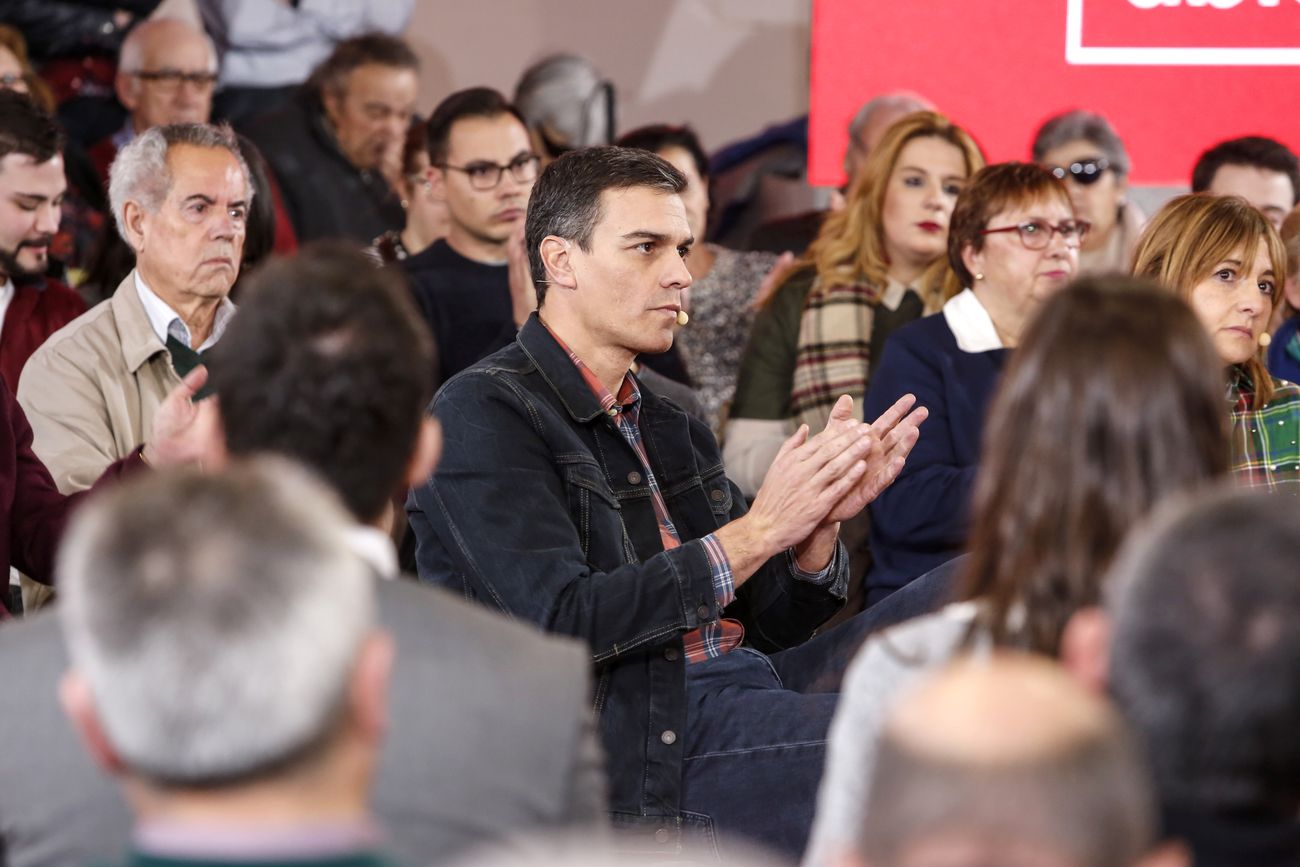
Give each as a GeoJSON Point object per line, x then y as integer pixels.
{"type": "Point", "coordinates": [872, 120]}
{"type": "Point", "coordinates": [1205, 651]}
{"type": "Point", "coordinates": [565, 201]}
{"type": "Point", "coordinates": [1006, 755]}
{"type": "Point", "coordinates": [132, 56]}
{"type": "Point", "coordinates": [1079, 125]}
{"type": "Point", "coordinates": [141, 174]}
{"type": "Point", "coordinates": [566, 99]}
{"type": "Point", "coordinates": [216, 619]}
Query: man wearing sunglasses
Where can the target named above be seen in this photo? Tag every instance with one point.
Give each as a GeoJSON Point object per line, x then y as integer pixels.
{"type": "Point", "coordinates": [473, 286]}
{"type": "Point", "coordinates": [166, 72]}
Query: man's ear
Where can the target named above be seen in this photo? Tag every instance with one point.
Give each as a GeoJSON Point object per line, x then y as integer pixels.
{"type": "Point", "coordinates": [557, 258]}
{"type": "Point", "coordinates": [368, 690]}
{"type": "Point", "coordinates": [428, 448]}
{"type": "Point", "coordinates": [133, 217]}
{"type": "Point", "coordinates": [125, 84]}
{"type": "Point", "coordinates": [79, 706]}
{"type": "Point", "coordinates": [1085, 647]}
{"type": "Point", "coordinates": [437, 183]}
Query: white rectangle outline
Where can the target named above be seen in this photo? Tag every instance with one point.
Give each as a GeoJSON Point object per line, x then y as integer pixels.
{"type": "Point", "coordinates": [1079, 55]}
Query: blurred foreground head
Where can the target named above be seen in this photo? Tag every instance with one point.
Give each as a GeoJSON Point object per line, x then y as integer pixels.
{"type": "Point", "coordinates": [1006, 762]}
{"type": "Point", "coordinates": [222, 633]}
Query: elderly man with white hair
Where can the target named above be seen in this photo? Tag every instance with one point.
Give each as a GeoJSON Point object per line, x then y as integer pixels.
{"type": "Point", "coordinates": [180, 195]}
{"type": "Point", "coordinates": [228, 667]}
{"type": "Point", "coordinates": [166, 73]}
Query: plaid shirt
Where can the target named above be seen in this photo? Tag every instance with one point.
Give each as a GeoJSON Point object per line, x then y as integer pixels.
{"type": "Point", "coordinates": [1265, 441]}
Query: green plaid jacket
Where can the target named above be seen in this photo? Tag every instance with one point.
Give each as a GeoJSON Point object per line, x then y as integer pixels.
{"type": "Point", "coordinates": [1265, 441]}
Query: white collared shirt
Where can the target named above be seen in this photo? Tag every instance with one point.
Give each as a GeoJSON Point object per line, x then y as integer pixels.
{"type": "Point", "coordinates": [376, 548]}
{"type": "Point", "coordinates": [165, 321]}
{"type": "Point", "coordinates": [970, 323]}
{"type": "Point", "coordinates": [6, 298]}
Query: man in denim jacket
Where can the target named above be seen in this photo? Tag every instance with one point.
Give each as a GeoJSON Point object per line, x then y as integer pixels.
{"type": "Point", "coordinates": [570, 497]}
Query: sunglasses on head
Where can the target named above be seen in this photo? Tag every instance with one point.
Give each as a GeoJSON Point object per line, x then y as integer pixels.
{"type": "Point", "coordinates": [1084, 172]}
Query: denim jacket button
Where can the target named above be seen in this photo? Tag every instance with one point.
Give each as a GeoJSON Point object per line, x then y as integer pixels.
{"type": "Point", "coordinates": [718, 495]}
{"type": "Point", "coordinates": [672, 654]}
{"type": "Point", "coordinates": [669, 737]}
{"type": "Point", "coordinates": [662, 835]}
{"type": "Point", "coordinates": [634, 478]}
{"type": "Point", "coordinates": [703, 612]}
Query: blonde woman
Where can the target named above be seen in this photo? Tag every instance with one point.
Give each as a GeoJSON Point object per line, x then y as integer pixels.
{"type": "Point", "coordinates": [1224, 259]}
{"type": "Point", "coordinates": [818, 336]}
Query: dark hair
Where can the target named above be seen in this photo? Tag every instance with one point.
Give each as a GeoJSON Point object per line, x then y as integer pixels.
{"type": "Point", "coordinates": [565, 201]}
{"type": "Point", "coordinates": [991, 190]}
{"type": "Point", "coordinates": [1205, 652]}
{"type": "Point", "coordinates": [25, 129]}
{"type": "Point", "coordinates": [660, 136]}
{"type": "Point", "coordinates": [1086, 126]}
{"type": "Point", "coordinates": [473, 102]}
{"type": "Point", "coordinates": [415, 147]}
{"type": "Point", "coordinates": [1252, 150]}
{"type": "Point", "coordinates": [378, 48]}
{"type": "Point", "coordinates": [1112, 402]}
{"type": "Point", "coordinates": [328, 362]}
{"type": "Point", "coordinates": [259, 235]}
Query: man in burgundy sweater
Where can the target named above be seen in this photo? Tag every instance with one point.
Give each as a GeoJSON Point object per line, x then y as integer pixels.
{"type": "Point", "coordinates": [32, 306]}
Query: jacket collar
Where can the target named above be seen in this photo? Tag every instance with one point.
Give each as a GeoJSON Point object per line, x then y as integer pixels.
{"type": "Point", "coordinates": [559, 371]}
{"type": "Point", "coordinates": [139, 343]}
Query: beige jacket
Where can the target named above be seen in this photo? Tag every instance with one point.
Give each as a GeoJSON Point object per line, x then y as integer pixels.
{"type": "Point", "coordinates": [91, 390]}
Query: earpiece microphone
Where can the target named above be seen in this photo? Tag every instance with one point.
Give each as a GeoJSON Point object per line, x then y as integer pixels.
{"type": "Point", "coordinates": [682, 318]}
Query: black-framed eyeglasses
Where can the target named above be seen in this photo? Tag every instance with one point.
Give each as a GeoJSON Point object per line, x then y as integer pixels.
{"type": "Point", "coordinates": [170, 80]}
{"type": "Point", "coordinates": [1037, 234]}
{"type": "Point", "coordinates": [484, 175]}
{"type": "Point", "coordinates": [1085, 172]}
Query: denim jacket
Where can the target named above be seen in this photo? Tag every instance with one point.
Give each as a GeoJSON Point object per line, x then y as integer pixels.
{"type": "Point", "coordinates": [540, 509]}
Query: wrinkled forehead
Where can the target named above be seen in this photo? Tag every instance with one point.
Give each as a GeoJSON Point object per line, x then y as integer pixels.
{"type": "Point", "coordinates": [213, 172]}
{"type": "Point", "coordinates": [178, 48]}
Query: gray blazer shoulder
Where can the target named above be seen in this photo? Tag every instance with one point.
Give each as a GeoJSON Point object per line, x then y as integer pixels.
{"type": "Point", "coordinates": [490, 733]}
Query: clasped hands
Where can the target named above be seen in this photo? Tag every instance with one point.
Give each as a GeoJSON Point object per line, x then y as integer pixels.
{"type": "Point", "coordinates": [816, 482]}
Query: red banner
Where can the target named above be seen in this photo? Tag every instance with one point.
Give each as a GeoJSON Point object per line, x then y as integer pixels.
{"type": "Point", "coordinates": [1173, 76]}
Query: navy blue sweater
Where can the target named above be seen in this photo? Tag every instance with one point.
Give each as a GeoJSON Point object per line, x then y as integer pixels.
{"type": "Point", "coordinates": [921, 520]}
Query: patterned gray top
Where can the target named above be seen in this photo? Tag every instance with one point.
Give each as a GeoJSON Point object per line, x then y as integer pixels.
{"type": "Point", "coordinates": [713, 341]}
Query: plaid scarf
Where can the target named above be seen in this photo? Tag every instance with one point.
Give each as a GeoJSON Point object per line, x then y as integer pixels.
{"type": "Point", "coordinates": [833, 356]}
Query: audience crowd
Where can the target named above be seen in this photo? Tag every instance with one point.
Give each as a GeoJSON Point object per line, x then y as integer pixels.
{"type": "Point", "coordinates": [387, 489]}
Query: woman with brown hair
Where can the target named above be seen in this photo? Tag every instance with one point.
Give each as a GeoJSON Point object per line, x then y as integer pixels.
{"type": "Point", "coordinates": [1224, 259]}
{"type": "Point", "coordinates": [819, 335]}
{"type": "Point", "coordinates": [1013, 243]}
{"type": "Point", "coordinates": [1078, 448]}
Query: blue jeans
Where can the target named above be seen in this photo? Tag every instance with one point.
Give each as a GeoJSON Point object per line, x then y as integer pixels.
{"type": "Point", "coordinates": [754, 751]}
{"type": "Point", "coordinates": [756, 725]}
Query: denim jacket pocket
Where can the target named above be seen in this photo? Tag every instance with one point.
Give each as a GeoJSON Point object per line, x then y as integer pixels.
{"type": "Point", "coordinates": [595, 511]}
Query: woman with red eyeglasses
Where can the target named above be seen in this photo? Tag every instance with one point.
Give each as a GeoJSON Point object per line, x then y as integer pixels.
{"type": "Point", "coordinates": [1013, 241]}
{"type": "Point", "coordinates": [1083, 150]}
